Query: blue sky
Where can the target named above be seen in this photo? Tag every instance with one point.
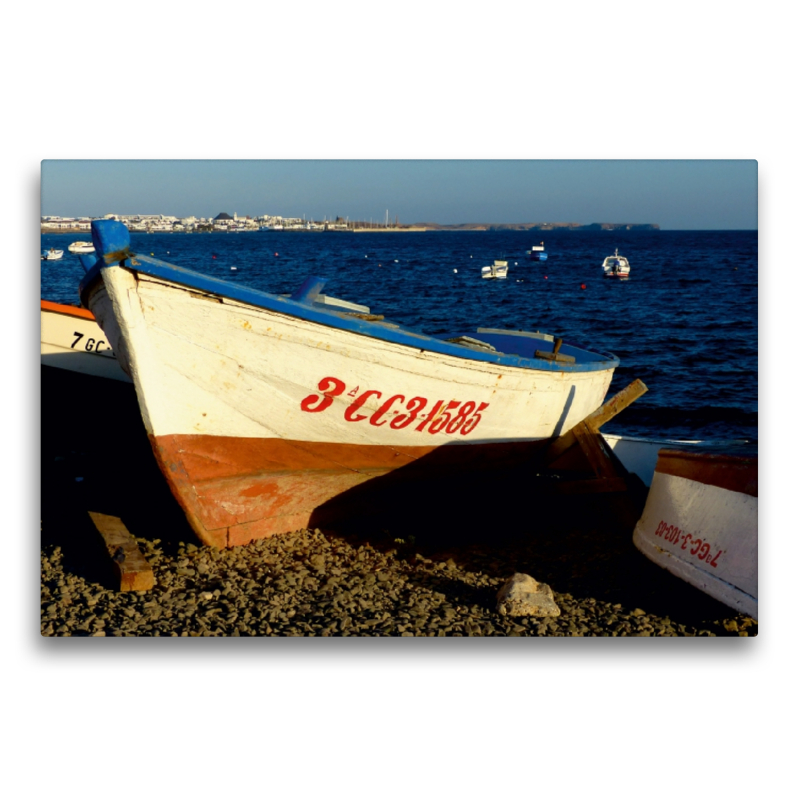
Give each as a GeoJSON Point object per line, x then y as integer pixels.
{"type": "Point", "coordinates": [676, 194]}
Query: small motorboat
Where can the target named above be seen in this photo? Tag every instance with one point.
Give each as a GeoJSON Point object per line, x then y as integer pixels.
{"type": "Point", "coordinates": [81, 247]}
{"type": "Point", "coordinates": [700, 523]}
{"type": "Point", "coordinates": [497, 270]}
{"type": "Point", "coordinates": [537, 253]}
{"type": "Point", "coordinates": [52, 254]}
{"type": "Point", "coordinates": [616, 266]}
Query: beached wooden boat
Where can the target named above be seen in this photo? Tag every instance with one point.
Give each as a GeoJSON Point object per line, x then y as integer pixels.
{"type": "Point", "coordinates": [265, 413]}
{"type": "Point", "coordinates": [72, 340]}
{"type": "Point", "coordinates": [700, 522]}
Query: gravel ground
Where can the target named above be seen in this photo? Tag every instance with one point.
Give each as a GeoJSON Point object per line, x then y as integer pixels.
{"type": "Point", "coordinates": [311, 584]}
{"type": "Point", "coordinates": [419, 576]}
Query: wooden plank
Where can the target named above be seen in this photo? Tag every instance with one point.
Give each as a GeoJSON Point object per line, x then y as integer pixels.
{"type": "Point", "coordinates": [596, 419]}
{"type": "Point", "coordinates": [617, 403]}
{"type": "Point", "coordinates": [135, 574]}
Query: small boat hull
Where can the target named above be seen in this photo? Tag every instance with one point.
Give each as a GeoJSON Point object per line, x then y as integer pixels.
{"type": "Point", "coordinates": [72, 340]}
{"type": "Point", "coordinates": [700, 523]}
{"type": "Point", "coordinates": [497, 270]}
{"type": "Point", "coordinates": [616, 266]}
{"type": "Point", "coordinates": [52, 255]}
{"type": "Point", "coordinates": [81, 248]}
{"type": "Point", "coordinates": [639, 455]}
{"type": "Point", "coordinates": [537, 253]}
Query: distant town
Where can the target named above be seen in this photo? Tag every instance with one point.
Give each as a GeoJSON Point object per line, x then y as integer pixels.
{"type": "Point", "coordinates": [223, 222]}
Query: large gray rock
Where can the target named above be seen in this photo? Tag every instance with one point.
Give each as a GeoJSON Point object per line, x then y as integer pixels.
{"type": "Point", "coordinates": [522, 596]}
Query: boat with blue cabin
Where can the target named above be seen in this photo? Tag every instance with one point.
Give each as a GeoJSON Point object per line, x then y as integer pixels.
{"type": "Point", "coordinates": [537, 253]}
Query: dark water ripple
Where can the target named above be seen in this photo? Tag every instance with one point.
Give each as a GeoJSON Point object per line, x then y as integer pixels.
{"type": "Point", "coordinates": [686, 322]}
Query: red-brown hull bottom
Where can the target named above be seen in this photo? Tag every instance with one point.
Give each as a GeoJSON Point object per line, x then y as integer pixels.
{"type": "Point", "coordinates": [235, 490]}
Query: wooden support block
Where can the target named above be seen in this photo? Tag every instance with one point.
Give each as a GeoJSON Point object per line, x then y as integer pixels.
{"type": "Point", "coordinates": [595, 450]}
{"type": "Point", "coordinates": [135, 574]}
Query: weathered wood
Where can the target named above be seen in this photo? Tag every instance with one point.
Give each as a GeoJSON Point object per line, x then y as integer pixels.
{"type": "Point", "coordinates": [617, 403]}
{"type": "Point", "coordinates": [596, 419]}
{"type": "Point", "coordinates": [595, 450]}
{"type": "Point", "coordinates": [135, 574]}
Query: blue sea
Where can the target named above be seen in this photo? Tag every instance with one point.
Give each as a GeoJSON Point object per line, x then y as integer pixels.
{"type": "Point", "coordinates": [685, 322]}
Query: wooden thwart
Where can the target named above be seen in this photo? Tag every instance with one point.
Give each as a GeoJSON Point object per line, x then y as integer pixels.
{"type": "Point", "coordinates": [135, 574]}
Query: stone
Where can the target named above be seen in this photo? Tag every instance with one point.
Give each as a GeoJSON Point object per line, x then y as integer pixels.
{"type": "Point", "coordinates": [521, 595]}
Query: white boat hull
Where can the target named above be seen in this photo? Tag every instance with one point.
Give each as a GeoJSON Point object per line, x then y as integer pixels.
{"type": "Point", "coordinates": [700, 522]}
{"type": "Point", "coordinates": [72, 340]}
{"type": "Point", "coordinates": [258, 418]}
{"type": "Point", "coordinates": [639, 455]}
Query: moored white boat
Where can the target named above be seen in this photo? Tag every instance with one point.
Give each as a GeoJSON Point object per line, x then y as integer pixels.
{"type": "Point", "coordinates": [616, 266]}
{"type": "Point", "coordinates": [700, 522]}
{"type": "Point", "coordinates": [497, 270]}
{"type": "Point", "coordinates": [537, 253]}
{"type": "Point", "coordinates": [81, 247]}
{"type": "Point", "coordinates": [72, 340]}
{"type": "Point", "coordinates": [263, 410]}
{"type": "Point", "coordinates": [51, 254]}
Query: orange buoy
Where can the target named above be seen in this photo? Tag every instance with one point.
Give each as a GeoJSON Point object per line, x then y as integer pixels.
{"type": "Point", "coordinates": [583, 286]}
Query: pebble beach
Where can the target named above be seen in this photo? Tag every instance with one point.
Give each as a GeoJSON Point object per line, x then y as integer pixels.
{"type": "Point", "coordinates": [310, 584]}
{"type": "Point", "coordinates": [422, 574]}
{"type": "Point", "coordinates": [378, 583]}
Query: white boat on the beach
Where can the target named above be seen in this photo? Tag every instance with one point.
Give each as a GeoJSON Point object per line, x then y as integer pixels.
{"type": "Point", "coordinates": [616, 266]}
{"type": "Point", "coordinates": [497, 270]}
{"type": "Point", "coordinates": [268, 414]}
{"type": "Point", "coordinates": [72, 340]}
{"type": "Point", "coordinates": [700, 522]}
{"type": "Point", "coordinates": [52, 254]}
{"type": "Point", "coordinates": [81, 247]}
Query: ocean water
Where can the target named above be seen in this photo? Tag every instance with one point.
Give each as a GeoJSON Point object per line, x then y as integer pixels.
{"type": "Point", "coordinates": [685, 322]}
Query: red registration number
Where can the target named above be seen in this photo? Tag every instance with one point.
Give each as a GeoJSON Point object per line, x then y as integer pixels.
{"type": "Point", "coordinates": [452, 416]}
{"type": "Point", "coordinates": [698, 547]}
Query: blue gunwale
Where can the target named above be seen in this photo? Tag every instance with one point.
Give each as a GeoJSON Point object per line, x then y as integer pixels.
{"type": "Point", "coordinates": [323, 315]}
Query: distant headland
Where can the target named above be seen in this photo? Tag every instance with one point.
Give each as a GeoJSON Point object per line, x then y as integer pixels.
{"type": "Point", "coordinates": [539, 226]}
